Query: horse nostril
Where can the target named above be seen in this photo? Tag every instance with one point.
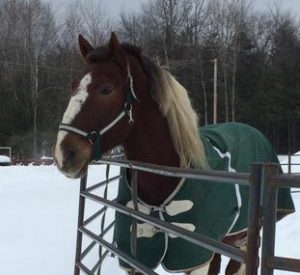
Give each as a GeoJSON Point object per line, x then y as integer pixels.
{"type": "Point", "coordinates": [69, 157]}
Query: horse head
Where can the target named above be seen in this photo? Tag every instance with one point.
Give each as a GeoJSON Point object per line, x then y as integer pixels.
{"type": "Point", "coordinates": [102, 100]}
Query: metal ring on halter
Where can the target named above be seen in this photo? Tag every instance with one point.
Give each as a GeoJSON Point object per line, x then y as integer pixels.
{"type": "Point", "coordinates": [93, 137]}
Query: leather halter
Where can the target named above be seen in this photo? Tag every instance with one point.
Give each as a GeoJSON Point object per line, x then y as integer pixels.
{"type": "Point", "coordinates": [94, 137]}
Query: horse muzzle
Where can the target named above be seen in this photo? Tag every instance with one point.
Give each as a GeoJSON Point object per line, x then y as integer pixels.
{"type": "Point", "coordinates": [72, 155]}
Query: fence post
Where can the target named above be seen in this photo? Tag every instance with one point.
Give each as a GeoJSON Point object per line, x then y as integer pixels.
{"type": "Point", "coordinates": [133, 235]}
{"type": "Point", "coordinates": [289, 163]}
{"type": "Point", "coordinates": [79, 224]}
{"type": "Point", "coordinates": [254, 219]}
{"type": "Point", "coordinates": [270, 193]}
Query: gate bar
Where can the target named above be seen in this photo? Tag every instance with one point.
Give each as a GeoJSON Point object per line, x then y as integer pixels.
{"type": "Point", "coordinates": [133, 234]}
{"type": "Point", "coordinates": [270, 193]}
{"type": "Point", "coordinates": [286, 180]}
{"type": "Point", "coordinates": [224, 177]}
{"type": "Point", "coordinates": [106, 181]}
{"type": "Point", "coordinates": [92, 244]}
{"type": "Point", "coordinates": [94, 216]}
{"type": "Point", "coordinates": [287, 264]}
{"type": "Point", "coordinates": [82, 267]}
{"type": "Point", "coordinates": [128, 259]}
{"type": "Point", "coordinates": [81, 208]}
{"type": "Point", "coordinates": [206, 242]}
{"type": "Point", "coordinates": [254, 219]}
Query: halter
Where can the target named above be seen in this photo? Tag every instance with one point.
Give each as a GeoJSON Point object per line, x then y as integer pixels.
{"type": "Point", "coordinates": [94, 137]}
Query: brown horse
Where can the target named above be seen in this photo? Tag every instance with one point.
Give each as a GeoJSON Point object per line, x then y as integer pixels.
{"type": "Point", "coordinates": [118, 100]}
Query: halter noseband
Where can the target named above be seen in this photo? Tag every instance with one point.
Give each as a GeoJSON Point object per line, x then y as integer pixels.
{"type": "Point", "coordinates": [94, 137]}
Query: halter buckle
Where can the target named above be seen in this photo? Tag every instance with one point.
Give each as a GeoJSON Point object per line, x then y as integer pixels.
{"type": "Point", "coordinates": [93, 137]}
{"type": "Point", "coordinates": [128, 109]}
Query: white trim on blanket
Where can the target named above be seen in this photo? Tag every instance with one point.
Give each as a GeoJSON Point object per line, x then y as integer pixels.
{"type": "Point", "coordinates": [236, 186]}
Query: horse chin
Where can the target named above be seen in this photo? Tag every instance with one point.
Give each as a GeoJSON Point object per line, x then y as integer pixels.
{"type": "Point", "coordinates": [76, 173]}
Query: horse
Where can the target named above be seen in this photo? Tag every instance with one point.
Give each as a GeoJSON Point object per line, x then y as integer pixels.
{"type": "Point", "coordinates": [123, 98]}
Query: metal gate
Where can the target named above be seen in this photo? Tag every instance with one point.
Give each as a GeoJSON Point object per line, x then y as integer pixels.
{"type": "Point", "coordinates": [263, 181]}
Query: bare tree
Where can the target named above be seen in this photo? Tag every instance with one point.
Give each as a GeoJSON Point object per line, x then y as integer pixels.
{"type": "Point", "coordinates": [196, 23]}
{"type": "Point", "coordinates": [131, 28]}
{"type": "Point", "coordinates": [228, 19]}
{"type": "Point", "coordinates": [88, 18]}
{"type": "Point", "coordinates": [38, 35]}
{"type": "Point", "coordinates": [164, 19]}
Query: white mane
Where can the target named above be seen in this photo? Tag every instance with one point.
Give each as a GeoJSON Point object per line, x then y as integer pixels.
{"type": "Point", "coordinates": [176, 106]}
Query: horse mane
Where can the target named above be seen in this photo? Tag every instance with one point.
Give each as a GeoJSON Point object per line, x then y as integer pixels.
{"type": "Point", "coordinates": [174, 104]}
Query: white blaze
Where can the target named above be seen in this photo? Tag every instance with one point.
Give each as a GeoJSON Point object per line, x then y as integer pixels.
{"type": "Point", "coordinates": [74, 107]}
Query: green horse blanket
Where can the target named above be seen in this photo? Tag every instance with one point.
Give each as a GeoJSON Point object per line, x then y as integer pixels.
{"type": "Point", "coordinates": [210, 208]}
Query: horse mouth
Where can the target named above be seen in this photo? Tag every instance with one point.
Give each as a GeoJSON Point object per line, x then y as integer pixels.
{"type": "Point", "coordinates": [78, 173]}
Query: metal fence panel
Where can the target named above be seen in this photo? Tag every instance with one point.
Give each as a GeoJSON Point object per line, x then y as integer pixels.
{"type": "Point", "coordinates": [263, 180]}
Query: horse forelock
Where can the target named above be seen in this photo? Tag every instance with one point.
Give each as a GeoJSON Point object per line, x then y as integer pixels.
{"type": "Point", "coordinates": [98, 54]}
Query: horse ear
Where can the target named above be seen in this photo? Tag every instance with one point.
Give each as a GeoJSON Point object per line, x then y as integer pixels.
{"type": "Point", "coordinates": [84, 46]}
{"type": "Point", "coordinates": [116, 51]}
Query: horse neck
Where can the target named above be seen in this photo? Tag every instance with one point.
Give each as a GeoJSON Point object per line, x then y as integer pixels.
{"type": "Point", "coordinates": [150, 141]}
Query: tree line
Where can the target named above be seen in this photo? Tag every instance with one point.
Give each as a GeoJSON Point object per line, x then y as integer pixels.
{"type": "Point", "coordinates": [258, 56]}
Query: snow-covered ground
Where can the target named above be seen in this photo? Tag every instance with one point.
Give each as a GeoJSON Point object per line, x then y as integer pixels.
{"type": "Point", "coordinates": [38, 214]}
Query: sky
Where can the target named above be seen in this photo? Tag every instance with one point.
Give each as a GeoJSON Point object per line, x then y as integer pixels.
{"type": "Point", "coordinates": [291, 5]}
{"type": "Point", "coordinates": [114, 7]}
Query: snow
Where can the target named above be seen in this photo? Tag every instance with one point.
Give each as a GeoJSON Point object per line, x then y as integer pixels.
{"type": "Point", "coordinates": [4, 159]}
{"type": "Point", "coordinates": [38, 212]}
{"type": "Point", "coordinates": [295, 159]}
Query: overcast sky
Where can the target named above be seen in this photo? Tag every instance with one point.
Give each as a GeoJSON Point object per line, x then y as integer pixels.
{"type": "Point", "coordinates": [292, 5]}
{"type": "Point", "coordinates": [114, 7]}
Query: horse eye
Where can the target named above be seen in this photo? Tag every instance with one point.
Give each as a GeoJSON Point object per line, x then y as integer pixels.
{"type": "Point", "coordinates": [105, 91]}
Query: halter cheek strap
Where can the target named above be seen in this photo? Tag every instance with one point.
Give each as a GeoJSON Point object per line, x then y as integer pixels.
{"type": "Point", "coordinates": [94, 137]}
